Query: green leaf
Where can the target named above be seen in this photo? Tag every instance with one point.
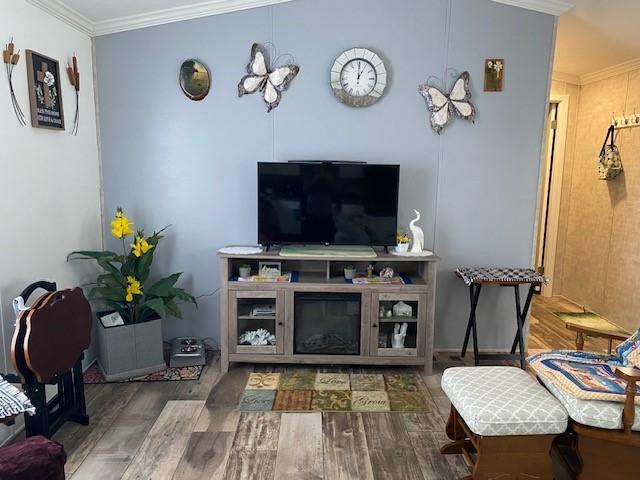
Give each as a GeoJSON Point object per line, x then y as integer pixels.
{"type": "Point", "coordinates": [155, 238]}
{"type": "Point", "coordinates": [107, 293]}
{"type": "Point", "coordinates": [93, 293]}
{"type": "Point", "coordinates": [144, 265]}
{"type": "Point", "coordinates": [163, 287]}
{"type": "Point", "coordinates": [86, 254]}
{"type": "Point", "coordinates": [173, 309]}
{"type": "Point", "coordinates": [140, 312]}
{"type": "Point", "coordinates": [108, 266]}
{"type": "Point", "coordinates": [128, 264]}
{"type": "Point", "coordinates": [111, 280]}
{"type": "Point", "coordinates": [117, 306]}
{"type": "Point", "coordinates": [157, 305]}
{"type": "Point", "coordinates": [183, 295]}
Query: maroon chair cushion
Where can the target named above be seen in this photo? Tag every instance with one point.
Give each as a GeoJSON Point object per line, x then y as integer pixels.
{"type": "Point", "coordinates": [35, 458]}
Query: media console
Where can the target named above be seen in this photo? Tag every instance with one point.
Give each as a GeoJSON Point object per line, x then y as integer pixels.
{"type": "Point", "coordinates": [320, 318]}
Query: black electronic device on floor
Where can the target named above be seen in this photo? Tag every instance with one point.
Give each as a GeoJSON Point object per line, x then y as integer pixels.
{"type": "Point", "coordinates": [187, 352]}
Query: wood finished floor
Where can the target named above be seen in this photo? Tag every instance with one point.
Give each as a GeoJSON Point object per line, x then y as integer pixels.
{"type": "Point", "coordinates": [193, 430]}
{"type": "Point", "coordinates": [548, 332]}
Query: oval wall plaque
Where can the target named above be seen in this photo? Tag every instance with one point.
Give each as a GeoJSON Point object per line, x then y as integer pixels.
{"type": "Point", "coordinates": [195, 80]}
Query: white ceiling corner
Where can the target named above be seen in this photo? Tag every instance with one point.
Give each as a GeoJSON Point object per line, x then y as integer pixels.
{"type": "Point", "coordinates": [552, 7]}
{"type": "Point", "coordinates": [65, 13]}
{"type": "Point", "coordinates": [618, 69]}
{"type": "Point", "coordinates": [176, 14]}
{"type": "Point", "coordinates": [565, 77]}
{"type": "Point", "coordinates": [99, 17]}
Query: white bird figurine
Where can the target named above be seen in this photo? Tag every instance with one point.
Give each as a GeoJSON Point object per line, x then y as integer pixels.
{"type": "Point", "coordinates": [417, 234]}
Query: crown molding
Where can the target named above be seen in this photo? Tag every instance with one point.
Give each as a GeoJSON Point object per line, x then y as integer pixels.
{"type": "Point", "coordinates": [603, 74]}
{"type": "Point", "coordinates": [565, 77]}
{"type": "Point", "coordinates": [552, 7]}
{"type": "Point", "coordinates": [177, 14]}
{"type": "Point", "coordinates": [75, 19]}
{"type": "Point", "coordinates": [65, 13]}
{"type": "Point", "coordinates": [624, 67]}
{"type": "Point", "coordinates": [159, 17]}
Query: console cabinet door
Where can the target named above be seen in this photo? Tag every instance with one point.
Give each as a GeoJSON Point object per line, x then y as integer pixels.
{"type": "Point", "coordinates": [251, 311]}
{"type": "Point", "coordinates": [410, 310]}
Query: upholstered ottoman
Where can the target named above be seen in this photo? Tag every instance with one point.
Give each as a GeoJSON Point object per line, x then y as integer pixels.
{"type": "Point", "coordinates": [504, 417]}
{"type": "Point", "coordinates": [35, 458]}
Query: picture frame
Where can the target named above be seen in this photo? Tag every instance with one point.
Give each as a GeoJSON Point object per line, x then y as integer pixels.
{"type": "Point", "coordinates": [272, 268]}
{"type": "Point", "coordinates": [493, 75]}
{"type": "Point", "coordinates": [45, 94]}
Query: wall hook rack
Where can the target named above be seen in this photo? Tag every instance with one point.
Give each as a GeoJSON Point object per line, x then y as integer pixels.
{"type": "Point", "coordinates": [626, 121]}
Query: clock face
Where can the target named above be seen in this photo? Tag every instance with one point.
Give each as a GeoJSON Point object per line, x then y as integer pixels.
{"type": "Point", "coordinates": [358, 77]}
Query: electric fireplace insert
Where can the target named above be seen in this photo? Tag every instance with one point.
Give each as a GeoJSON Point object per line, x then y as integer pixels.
{"type": "Point", "coordinates": [327, 323]}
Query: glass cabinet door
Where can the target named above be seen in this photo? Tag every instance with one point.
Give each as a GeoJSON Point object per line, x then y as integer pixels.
{"type": "Point", "coordinates": [397, 324]}
{"type": "Point", "coordinates": [256, 322]}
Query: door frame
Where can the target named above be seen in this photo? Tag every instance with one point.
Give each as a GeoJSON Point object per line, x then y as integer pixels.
{"type": "Point", "coordinates": [555, 191]}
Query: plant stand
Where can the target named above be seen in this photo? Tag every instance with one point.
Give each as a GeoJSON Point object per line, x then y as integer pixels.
{"type": "Point", "coordinates": [126, 351]}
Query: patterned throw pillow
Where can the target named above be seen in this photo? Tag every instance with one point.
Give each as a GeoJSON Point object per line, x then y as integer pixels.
{"type": "Point", "coordinates": [629, 351]}
{"type": "Point", "coordinates": [582, 375]}
{"type": "Point", "coordinates": [13, 401]}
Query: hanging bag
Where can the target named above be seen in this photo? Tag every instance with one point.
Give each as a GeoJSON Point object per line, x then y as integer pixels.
{"type": "Point", "coordinates": [609, 163]}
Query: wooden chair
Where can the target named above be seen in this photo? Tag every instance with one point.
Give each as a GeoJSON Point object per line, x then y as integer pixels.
{"type": "Point", "coordinates": [599, 450]}
{"type": "Point", "coordinates": [604, 453]}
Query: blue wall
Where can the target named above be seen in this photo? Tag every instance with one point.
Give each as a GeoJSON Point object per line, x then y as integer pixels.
{"type": "Point", "coordinates": [168, 160]}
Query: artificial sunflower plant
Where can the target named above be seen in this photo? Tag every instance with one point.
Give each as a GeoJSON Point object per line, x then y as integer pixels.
{"type": "Point", "coordinates": [124, 285]}
{"type": "Point", "coordinates": [402, 237]}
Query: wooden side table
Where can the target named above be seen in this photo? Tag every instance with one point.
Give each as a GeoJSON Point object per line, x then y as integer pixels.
{"type": "Point", "coordinates": [475, 278]}
{"type": "Point", "coordinates": [595, 327]}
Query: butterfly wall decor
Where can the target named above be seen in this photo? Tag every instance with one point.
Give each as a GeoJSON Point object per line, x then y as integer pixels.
{"type": "Point", "coordinates": [443, 106]}
{"type": "Point", "coordinates": [270, 84]}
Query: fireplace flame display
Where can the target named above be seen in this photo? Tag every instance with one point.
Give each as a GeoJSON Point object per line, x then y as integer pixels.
{"type": "Point", "coordinates": [327, 323]}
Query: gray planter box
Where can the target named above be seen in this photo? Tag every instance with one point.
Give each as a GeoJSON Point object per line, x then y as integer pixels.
{"type": "Point", "coordinates": [130, 350]}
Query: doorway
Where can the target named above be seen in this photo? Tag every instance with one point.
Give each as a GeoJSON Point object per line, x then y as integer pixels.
{"type": "Point", "coordinates": [544, 332]}
{"type": "Point", "coordinates": [551, 189]}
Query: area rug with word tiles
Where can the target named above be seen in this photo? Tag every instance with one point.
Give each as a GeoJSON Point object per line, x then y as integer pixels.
{"type": "Point", "coordinates": [333, 392]}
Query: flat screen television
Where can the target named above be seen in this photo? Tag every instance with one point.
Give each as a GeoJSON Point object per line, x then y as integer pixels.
{"type": "Point", "coordinates": [327, 203]}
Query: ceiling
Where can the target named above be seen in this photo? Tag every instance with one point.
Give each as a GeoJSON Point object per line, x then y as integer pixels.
{"type": "Point", "coordinates": [101, 17]}
{"type": "Point", "coordinates": [100, 10]}
{"type": "Point", "coordinates": [597, 35]}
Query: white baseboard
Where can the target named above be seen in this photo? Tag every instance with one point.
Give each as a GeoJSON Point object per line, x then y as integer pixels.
{"type": "Point", "coordinates": [470, 350]}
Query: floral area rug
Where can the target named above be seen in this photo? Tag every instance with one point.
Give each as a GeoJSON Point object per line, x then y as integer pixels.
{"type": "Point", "coordinates": [333, 392]}
{"type": "Point", "coordinates": [94, 375]}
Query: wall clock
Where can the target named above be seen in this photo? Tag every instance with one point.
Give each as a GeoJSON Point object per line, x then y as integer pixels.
{"type": "Point", "coordinates": [358, 77]}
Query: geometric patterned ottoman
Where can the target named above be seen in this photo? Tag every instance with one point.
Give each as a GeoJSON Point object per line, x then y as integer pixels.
{"type": "Point", "coordinates": [506, 418]}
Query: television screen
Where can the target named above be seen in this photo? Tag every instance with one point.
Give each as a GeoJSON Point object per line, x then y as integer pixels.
{"type": "Point", "coordinates": [327, 203]}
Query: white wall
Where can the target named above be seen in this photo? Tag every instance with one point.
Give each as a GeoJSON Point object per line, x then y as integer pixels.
{"type": "Point", "coordinates": [49, 180]}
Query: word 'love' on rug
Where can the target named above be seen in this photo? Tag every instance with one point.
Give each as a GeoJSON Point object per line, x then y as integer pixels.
{"type": "Point", "coordinates": [333, 392]}
{"type": "Point", "coordinates": [93, 374]}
